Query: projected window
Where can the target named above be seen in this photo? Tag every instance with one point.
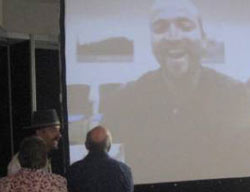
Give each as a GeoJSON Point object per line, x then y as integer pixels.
{"type": "Point", "coordinates": [117, 49]}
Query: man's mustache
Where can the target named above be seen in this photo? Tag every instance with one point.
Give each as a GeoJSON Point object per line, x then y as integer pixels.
{"type": "Point", "coordinates": [172, 44]}
{"type": "Point", "coordinates": [56, 139]}
{"type": "Point", "coordinates": [185, 45]}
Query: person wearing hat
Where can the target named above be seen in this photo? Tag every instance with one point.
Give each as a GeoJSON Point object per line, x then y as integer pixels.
{"type": "Point", "coordinates": [46, 125]}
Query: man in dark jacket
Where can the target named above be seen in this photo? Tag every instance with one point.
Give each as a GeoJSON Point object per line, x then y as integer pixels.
{"type": "Point", "coordinates": [98, 172]}
{"type": "Point", "coordinates": [183, 114]}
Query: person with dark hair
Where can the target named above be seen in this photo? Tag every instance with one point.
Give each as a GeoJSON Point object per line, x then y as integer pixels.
{"type": "Point", "coordinates": [32, 153]}
{"type": "Point", "coordinates": [98, 172]}
{"type": "Point", "coordinates": [31, 177]}
{"type": "Point", "coordinates": [46, 125]}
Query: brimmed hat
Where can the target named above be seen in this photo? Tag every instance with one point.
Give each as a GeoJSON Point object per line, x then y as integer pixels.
{"type": "Point", "coordinates": [44, 118]}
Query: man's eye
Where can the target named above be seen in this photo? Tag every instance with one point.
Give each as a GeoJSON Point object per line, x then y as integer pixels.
{"type": "Point", "coordinates": [160, 26]}
{"type": "Point", "coordinates": [53, 129]}
{"type": "Point", "coordinates": [186, 25]}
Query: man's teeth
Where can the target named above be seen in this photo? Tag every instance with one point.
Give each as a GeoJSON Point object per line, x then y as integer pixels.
{"type": "Point", "coordinates": [176, 53]}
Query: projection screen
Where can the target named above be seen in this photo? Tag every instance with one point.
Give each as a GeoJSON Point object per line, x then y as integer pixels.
{"type": "Point", "coordinates": [169, 78]}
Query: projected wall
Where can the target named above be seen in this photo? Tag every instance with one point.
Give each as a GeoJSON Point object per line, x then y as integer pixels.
{"type": "Point", "coordinates": [168, 78]}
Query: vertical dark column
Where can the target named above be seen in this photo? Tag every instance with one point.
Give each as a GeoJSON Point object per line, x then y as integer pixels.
{"type": "Point", "coordinates": [20, 89]}
{"type": "Point", "coordinates": [5, 122]}
{"type": "Point", "coordinates": [48, 90]}
{"type": "Point", "coordinates": [47, 79]}
{"type": "Point", "coordinates": [63, 84]}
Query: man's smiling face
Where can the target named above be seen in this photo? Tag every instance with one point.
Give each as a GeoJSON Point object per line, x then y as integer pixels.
{"type": "Point", "coordinates": [176, 38]}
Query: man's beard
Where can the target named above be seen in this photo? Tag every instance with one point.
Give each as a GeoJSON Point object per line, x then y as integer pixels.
{"type": "Point", "coordinates": [54, 144]}
{"type": "Point", "coordinates": [179, 59]}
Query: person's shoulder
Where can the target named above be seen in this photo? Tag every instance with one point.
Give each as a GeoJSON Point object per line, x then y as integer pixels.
{"type": "Point", "coordinates": [76, 166]}
{"type": "Point", "coordinates": [5, 180]}
{"type": "Point", "coordinates": [224, 83]}
{"type": "Point", "coordinates": [53, 181]}
{"type": "Point", "coordinates": [220, 78]}
{"type": "Point", "coordinates": [14, 165]}
{"type": "Point", "coordinates": [58, 178]}
{"type": "Point", "coordinates": [123, 173]}
{"type": "Point", "coordinates": [118, 164]}
{"type": "Point", "coordinates": [52, 177]}
{"type": "Point", "coordinates": [77, 163]}
{"type": "Point", "coordinates": [5, 183]}
{"type": "Point", "coordinates": [143, 84]}
{"type": "Point", "coordinates": [154, 75]}
{"type": "Point", "coordinates": [151, 77]}
{"type": "Point", "coordinates": [131, 89]}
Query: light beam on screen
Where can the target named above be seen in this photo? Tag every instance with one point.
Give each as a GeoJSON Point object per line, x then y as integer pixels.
{"type": "Point", "coordinates": [170, 85]}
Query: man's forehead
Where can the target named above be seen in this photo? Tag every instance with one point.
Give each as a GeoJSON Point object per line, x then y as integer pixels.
{"type": "Point", "coordinates": [173, 15]}
{"type": "Point", "coordinates": [170, 9]}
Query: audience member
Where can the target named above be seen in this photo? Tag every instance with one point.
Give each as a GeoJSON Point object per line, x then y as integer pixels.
{"type": "Point", "coordinates": [98, 172]}
{"type": "Point", "coordinates": [31, 177]}
{"type": "Point", "coordinates": [46, 125]}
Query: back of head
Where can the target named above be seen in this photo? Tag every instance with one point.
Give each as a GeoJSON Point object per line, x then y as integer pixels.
{"type": "Point", "coordinates": [98, 139]}
{"type": "Point", "coordinates": [33, 153]}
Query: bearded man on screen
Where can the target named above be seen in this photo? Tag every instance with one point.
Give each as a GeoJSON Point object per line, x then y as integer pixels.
{"type": "Point", "coordinates": [182, 114]}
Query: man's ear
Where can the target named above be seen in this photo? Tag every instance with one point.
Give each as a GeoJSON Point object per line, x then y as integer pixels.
{"type": "Point", "coordinates": [87, 144]}
{"type": "Point", "coordinates": [109, 147]}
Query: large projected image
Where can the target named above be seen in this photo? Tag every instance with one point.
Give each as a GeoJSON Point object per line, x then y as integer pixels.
{"type": "Point", "coordinates": [169, 78]}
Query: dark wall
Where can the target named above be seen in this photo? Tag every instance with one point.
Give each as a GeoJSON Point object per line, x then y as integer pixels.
{"type": "Point", "coordinates": [48, 89]}
{"type": "Point", "coordinates": [16, 97]}
{"type": "Point", "coordinates": [47, 79]}
{"type": "Point", "coordinates": [5, 132]}
{"type": "Point", "coordinates": [15, 102]}
{"type": "Point", "coordinates": [21, 106]}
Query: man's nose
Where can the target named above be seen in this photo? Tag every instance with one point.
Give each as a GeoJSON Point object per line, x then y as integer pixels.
{"type": "Point", "coordinates": [59, 134]}
{"type": "Point", "coordinates": [173, 32]}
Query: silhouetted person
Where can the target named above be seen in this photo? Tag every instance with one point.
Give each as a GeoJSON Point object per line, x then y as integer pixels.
{"type": "Point", "coordinates": [98, 172]}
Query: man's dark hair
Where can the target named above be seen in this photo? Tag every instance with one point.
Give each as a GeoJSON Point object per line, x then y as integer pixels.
{"type": "Point", "coordinates": [97, 146]}
{"type": "Point", "coordinates": [33, 153]}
